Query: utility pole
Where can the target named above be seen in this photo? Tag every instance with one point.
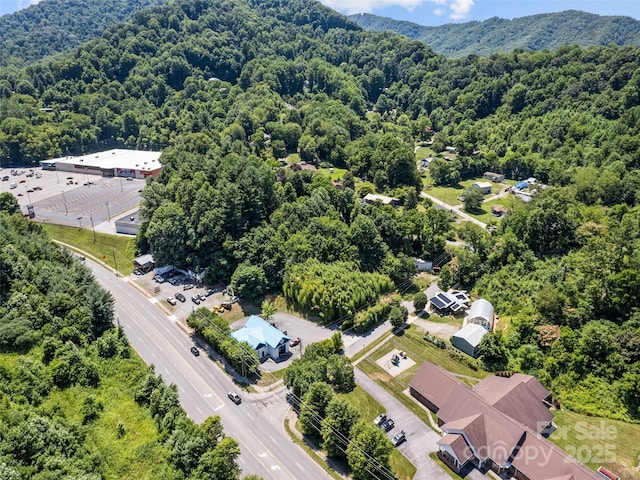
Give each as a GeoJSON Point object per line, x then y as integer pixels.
{"type": "Point", "coordinates": [108, 214]}
{"type": "Point", "coordinates": [113, 250]}
{"type": "Point", "coordinates": [92, 228]}
{"type": "Point", "coordinates": [66, 210]}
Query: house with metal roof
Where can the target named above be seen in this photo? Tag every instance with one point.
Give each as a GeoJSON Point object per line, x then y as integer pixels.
{"type": "Point", "coordinates": [499, 424]}
{"type": "Point", "coordinates": [468, 338]}
{"type": "Point", "coordinates": [484, 187]}
{"type": "Point", "coordinates": [480, 313]}
{"type": "Point", "coordinates": [267, 340]}
{"type": "Point", "coordinates": [371, 198]}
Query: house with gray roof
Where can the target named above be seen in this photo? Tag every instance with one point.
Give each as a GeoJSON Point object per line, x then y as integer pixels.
{"type": "Point", "coordinates": [267, 340]}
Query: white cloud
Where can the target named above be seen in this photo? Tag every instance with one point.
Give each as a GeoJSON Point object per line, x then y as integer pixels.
{"type": "Point", "coordinates": [455, 8]}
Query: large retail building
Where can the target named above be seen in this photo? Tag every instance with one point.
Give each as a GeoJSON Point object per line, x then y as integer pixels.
{"type": "Point", "coordinates": [110, 163]}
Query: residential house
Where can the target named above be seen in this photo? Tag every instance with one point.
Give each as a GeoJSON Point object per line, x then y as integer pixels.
{"type": "Point", "coordinates": [484, 187]}
{"type": "Point", "coordinates": [468, 338]}
{"type": "Point", "coordinates": [498, 424]}
{"type": "Point", "coordinates": [371, 198]}
{"type": "Point", "coordinates": [494, 177]}
{"type": "Point", "coordinates": [263, 337]}
{"type": "Point", "coordinates": [450, 149]}
{"type": "Point", "coordinates": [452, 301]}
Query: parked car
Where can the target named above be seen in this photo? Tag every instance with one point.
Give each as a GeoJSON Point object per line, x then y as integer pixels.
{"type": "Point", "coordinates": [295, 342]}
{"type": "Point", "coordinates": [202, 297]}
{"type": "Point", "coordinates": [5, 178]}
{"type": "Point", "coordinates": [129, 179]}
{"type": "Point", "coordinates": [209, 292]}
{"type": "Point", "coordinates": [379, 419]}
{"type": "Point", "coordinates": [171, 300]}
{"type": "Point", "coordinates": [138, 272]}
{"type": "Point", "coordinates": [399, 438]}
{"type": "Point", "coordinates": [196, 299]}
{"type": "Point", "coordinates": [195, 351]}
{"type": "Point", "coordinates": [181, 297]}
{"type": "Point", "coordinates": [387, 425]}
{"type": "Point", "coordinates": [235, 299]}
{"type": "Point", "coordinates": [234, 397]}
{"type": "Point", "coordinates": [188, 286]}
{"type": "Point", "coordinates": [159, 278]}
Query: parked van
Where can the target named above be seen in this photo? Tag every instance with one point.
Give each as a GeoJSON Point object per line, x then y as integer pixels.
{"type": "Point", "coordinates": [13, 185]}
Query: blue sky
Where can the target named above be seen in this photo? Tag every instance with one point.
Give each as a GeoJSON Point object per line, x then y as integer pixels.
{"type": "Point", "coordinates": [438, 12]}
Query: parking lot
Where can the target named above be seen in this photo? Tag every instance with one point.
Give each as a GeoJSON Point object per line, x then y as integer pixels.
{"type": "Point", "coordinates": [72, 199]}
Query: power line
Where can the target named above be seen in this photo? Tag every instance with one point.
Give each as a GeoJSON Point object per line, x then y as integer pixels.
{"type": "Point", "coordinates": [315, 416]}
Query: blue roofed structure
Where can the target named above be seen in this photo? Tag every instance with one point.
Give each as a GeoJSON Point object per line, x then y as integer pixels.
{"type": "Point", "coordinates": [264, 337]}
{"type": "Point", "coordinates": [521, 185]}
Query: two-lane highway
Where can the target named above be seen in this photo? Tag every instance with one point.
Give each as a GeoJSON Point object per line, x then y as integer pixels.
{"type": "Point", "coordinates": [265, 447]}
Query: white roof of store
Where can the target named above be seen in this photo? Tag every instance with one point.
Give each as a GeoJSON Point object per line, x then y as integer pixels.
{"type": "Point", "coordinates": [117, 158]}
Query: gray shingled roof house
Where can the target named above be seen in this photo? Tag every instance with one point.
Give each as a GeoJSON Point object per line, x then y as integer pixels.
{"type": "Point", "coordinates": [499, 424]}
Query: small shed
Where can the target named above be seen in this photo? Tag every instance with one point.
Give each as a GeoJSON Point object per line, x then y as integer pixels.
{"type": "Point", "coordinates": [450, 149]}
{"type": "Point", "coordinates": [521, 185]}
{"type": "Point", "coordinates": [494, 177]}
{"type": "Point", "coordinates": [423, 265]}
{"type": "Point", "coordinates": [481, 313]}
{"type": "Point", "coordinates": [499, 211]}
{"type": "Point", "coordinates": [468, 338]}
{"type": "Point", "coordinates": [484, 187]}
{"type": "Point", "coordinates": [144, 263]}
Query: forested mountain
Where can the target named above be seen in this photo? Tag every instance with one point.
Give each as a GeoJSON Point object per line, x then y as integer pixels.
{"type": "Point", "coordinates": [546, 31]}
{"type": "Point", "coordinates": [76, 401]}
{"type": "Point", "coordinates": [230, 87]}
{"type": "Point", "coordinates": [54, 26]}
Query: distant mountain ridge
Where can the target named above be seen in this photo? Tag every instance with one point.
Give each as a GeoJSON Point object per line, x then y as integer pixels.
{"type": "Point", "coordinates": [55, 26]}
{"type": "Point", "coordinates": [535, 32]}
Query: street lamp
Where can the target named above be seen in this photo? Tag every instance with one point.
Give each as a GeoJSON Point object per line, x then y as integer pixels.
{"type": "Point", "coordinates": [108, 214]}
{"type": "Point", "coordinates": [79, 221]}
{"type": "Point", "coordinates": [66, 210]}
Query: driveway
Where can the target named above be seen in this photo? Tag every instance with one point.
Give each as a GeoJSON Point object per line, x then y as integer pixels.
{"type": "Point", "coordinates": [421, 439]}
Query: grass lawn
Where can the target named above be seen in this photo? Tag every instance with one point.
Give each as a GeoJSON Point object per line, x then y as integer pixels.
{"type": "Point", "coordinates": [424, 152]}
{"type": "Point", "coordinates": [596, 441]}
{"type": "Point", "coordinates": [450, 194]}
{"type": "Point", "coordinates": [337, 174]}
{"type": "Point", "coordinates": [369, 409]}
{"type": "Point", "coordinates": [419, 351]}
{"type": "Point", "coordinates": [510, 201]}
{"type": "Point", "coordinates": [104, 248]}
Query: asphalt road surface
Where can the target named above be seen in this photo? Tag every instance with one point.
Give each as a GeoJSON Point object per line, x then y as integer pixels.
{"type": "Point", "coordinates": [257, 423]}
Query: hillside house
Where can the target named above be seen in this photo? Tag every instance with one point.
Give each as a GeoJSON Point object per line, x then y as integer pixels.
{"type": "Point", "coordinates": [494, 177]}
{"type": "Point", "coordinates": [371, 198]}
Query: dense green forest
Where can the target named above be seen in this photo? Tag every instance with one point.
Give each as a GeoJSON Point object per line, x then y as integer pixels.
{"type": "Point", "coordinates": [55, 26]}
{"type": "Point", "coordinates": [75, 400]}
{"type": "Point", "coordinates": [230, 88]}
{"type": "Point", "coordinates": [547, 31]}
